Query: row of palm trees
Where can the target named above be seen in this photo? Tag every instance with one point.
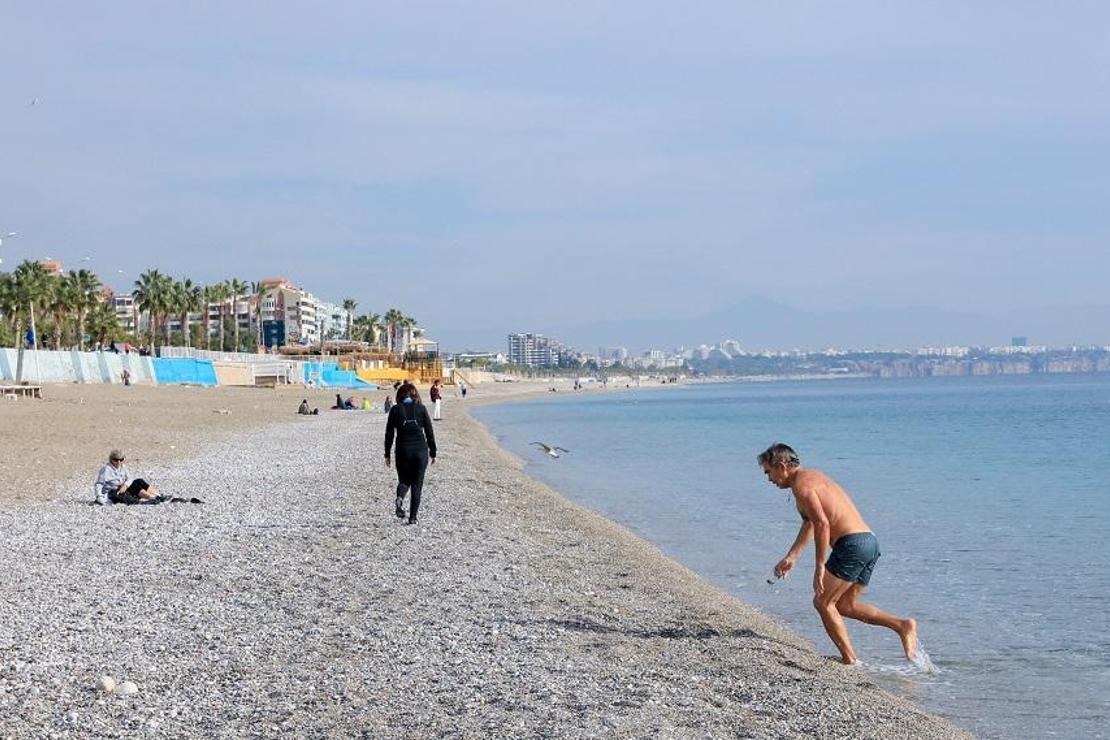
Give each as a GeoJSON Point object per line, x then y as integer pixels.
{"type": "Point", "coordinates": [163, 298]}
{"type": "Point", "coordinates": [372, 328]}
{"type": "Point", "coordinates": [73, 303]}
{"type": "Point", "coordinates": [77, 308]}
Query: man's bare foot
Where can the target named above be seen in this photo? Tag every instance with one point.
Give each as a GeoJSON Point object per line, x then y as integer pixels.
{"type": "Point", "coordinates": [842, 660]}
{"type": "Point", "coordinates": [908, 633]}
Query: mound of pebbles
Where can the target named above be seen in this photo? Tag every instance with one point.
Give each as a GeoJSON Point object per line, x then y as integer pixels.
{"type": "Point", "coordinates": [293, 604]}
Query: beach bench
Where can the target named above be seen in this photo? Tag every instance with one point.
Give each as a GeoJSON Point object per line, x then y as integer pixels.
{"type": "Point", "coordinates": [14, 391]}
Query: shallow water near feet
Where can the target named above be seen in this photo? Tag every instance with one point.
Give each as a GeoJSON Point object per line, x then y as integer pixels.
{"type": "Point", "coordinates": [986, 494]}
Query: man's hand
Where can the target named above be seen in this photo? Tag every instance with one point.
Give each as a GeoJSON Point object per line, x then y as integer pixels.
{"type": "Point", "coordinates": [387, 462]}
{"type": "Point", "coordinates": [783, 567]}
{"type": "Point", "coordinates": [819, 580]}
{"type": "Point", "coordinates": [432, 461]}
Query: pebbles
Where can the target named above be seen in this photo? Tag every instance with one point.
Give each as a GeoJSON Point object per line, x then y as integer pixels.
{"type": "Point", "coordinates": [293, 604]}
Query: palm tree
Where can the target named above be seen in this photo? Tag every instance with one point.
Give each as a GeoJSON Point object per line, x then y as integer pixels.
{"type": "Point", "coordinates": [189, 298]}
{"type": "Point", "coordinates": [60, 302]}
{"type": "Point", "coordinates": [32, 285]}
{"type": "Point", "coordinates": [219, 295]}
{"type": "Point", "coordinates": [84, 287]}
{"type": "Point", "coordinates": [365, 328]}
{"type": "Point", "coordinates": [103, 323]}
{"type": "Point", "coordinates": [211, 295]}
{"type": "Point", "coordinates": [374, 321]}
{"type": "Point", "coordinates": [9, 300]}
{"type": "Point", "coordinates": [153, 294]}
{"type": "Point", "coordinates": [349, 305]}
{"type": "Point", "coordinates": [237, 288]}
{"type": "Point", "coordinates": [392, 320]}
{"type": "Point", "coordinates": [405, 324]}
{"type": "Point", "coordinates": [258, 293]}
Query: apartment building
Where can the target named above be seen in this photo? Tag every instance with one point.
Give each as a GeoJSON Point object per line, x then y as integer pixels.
{"type": "Point", "coordinates": [289, 315]}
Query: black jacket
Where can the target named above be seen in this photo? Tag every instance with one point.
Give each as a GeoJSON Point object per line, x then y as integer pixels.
{"type": "Point", "coordinates": [413, 427]}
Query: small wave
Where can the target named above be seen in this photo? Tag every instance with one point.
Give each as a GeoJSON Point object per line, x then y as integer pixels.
{"type": "Point", "coordinates": [920, 665]}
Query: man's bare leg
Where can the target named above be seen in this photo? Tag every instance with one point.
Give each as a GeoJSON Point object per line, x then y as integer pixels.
{"type": "Point", "coordinates": [850, 606]}
{"type": "Point", "coordinates": [825, 604]}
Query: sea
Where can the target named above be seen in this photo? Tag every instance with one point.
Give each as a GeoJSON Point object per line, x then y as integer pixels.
{"type": "Point", "coordinates": [990, 497]}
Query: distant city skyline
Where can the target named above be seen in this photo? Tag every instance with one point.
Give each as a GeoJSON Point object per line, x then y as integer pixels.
{"type": "Point", "coordinates": [889, 175]}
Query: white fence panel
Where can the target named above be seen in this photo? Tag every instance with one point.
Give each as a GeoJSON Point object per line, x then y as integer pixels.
{"type": "Point", "coordinates": [44, 366]}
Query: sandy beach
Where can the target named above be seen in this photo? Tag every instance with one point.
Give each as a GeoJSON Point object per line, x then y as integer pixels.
{"type": "Point", "coordinates": [293, 603]}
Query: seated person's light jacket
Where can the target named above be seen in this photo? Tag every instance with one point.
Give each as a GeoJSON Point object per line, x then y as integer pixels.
{"type": "Point", "coordinates": [108, 481]}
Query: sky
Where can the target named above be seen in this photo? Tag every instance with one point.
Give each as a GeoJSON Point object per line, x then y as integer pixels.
{"type": "Point", "coordinates": [581, 168]}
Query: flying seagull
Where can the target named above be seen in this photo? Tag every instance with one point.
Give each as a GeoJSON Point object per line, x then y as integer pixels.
{"type": "Point", "coordinates": [550, 449]}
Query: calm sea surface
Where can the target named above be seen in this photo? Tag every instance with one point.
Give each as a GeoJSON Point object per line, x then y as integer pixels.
{"type": "Point", "coordinates": [989, 497]}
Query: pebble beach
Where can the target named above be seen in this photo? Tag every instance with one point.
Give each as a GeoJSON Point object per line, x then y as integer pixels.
{"type": "Point", "coordinates": [292, 603]}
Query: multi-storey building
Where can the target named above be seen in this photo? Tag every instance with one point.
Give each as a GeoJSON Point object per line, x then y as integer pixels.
{"type": "Point", "coordinates": [530, 350]}
{"type": "Point", "coordinates": [127, 316]}
{"type": "Point", "coordinates": [536, 350]}
{"type": "Point", "coordinates": [607, 356]}
{"type": "Point", "coordinates": [333, 320]}
{"type": "Point", "coordinates": [288, 314]}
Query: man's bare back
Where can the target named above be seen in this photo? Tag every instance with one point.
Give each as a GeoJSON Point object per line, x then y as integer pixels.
{"type": "Point", "coordinates": [838, 508]}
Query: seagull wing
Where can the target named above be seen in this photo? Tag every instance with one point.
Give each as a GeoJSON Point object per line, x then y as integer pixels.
{"type": "Point", "coordinates": [562, 449]}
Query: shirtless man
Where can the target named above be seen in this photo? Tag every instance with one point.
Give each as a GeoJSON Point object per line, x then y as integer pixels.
{"type": "Point", "coordinates": [829, 516]}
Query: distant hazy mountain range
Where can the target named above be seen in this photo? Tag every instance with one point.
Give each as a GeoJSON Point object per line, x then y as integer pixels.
{"type": "Point", "coordinates": [760, 323]}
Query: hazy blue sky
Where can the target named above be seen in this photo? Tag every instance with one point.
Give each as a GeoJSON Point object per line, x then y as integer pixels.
{"type": "Point", "coordinates": [498, 166]}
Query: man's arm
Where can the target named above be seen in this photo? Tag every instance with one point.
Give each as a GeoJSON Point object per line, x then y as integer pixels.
{"type": "Point", "coordinates": [809, 504]}
{"type": "Point", "coordinates": [787, 563]}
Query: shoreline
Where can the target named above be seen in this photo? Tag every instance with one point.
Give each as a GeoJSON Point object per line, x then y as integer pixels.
{"type": "Point", "coordinates": [714, 602]}
{"type": "Point", "coordinates": [294, 603]}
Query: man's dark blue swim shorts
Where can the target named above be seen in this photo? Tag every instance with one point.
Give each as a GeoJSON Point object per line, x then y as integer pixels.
{"type": "Point", "coordinates": [853, 557]}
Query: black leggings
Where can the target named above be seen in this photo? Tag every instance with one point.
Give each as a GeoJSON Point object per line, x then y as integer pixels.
{"type": "Point", "coordinates": [131, 494]}
{"type": "Point", "coordinates": [410, 474]}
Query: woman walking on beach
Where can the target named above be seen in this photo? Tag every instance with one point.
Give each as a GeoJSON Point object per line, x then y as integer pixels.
{"type": "Point", "coordinates": [416, 446]}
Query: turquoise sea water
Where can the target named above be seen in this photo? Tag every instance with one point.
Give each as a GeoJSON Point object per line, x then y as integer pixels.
{"type": "Point", "coordinates": [988, 495]}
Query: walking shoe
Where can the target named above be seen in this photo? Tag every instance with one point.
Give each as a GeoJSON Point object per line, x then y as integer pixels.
{"type": "Point", "coordinates": [400, 510]}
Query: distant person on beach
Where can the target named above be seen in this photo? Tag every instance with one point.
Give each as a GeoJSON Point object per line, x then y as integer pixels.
{"type": "Point", "coordinates": [416, 446]}
{"type": "Point", "coordinates": [830, 517]}
{"type": "Point", "coordinates": [462, 390]}
{"type": "Point", "coordinates": [387, 404]}
{"type": "Point", "coordinates": [437, 400]}
{"type": "Point", "coordinates": [305, 410]}
{"type": "Point", "coordinates": [114, 484]}
{"type": "Point", "coordinates": [126, 376]}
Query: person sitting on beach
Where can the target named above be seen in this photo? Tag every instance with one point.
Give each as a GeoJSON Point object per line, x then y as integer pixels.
{"type": "Point", "coordinates": [114, 484]}
{"type": "Point", "coordinates": [830, 517]}
{"type": "Point", "coordinates": [338, 403]}
{"type": "Point", "coordinates": [305, 410]}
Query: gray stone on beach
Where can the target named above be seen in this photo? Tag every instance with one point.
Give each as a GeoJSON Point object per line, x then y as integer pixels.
{"type": "Point", "coordinates": [106, 684]}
